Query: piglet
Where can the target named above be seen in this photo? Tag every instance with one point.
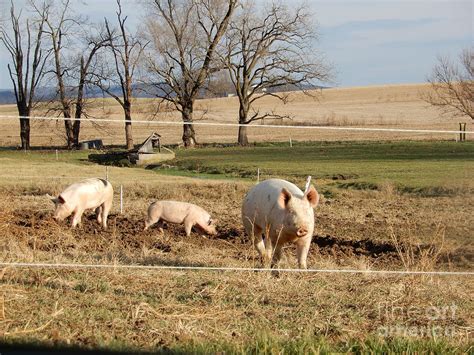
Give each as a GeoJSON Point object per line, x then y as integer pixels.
{"type": "Point", "coordinates": [276, 212]}
{"type": "Point", "coordinates": [94, 193]}
{"type": "Point", "coordinates": [181, 213]}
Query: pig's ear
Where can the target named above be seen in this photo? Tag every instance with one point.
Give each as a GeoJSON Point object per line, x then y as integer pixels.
{"type": "Point", "coordinates": [54, 200]}
{"type": "Point", "coordinates": [284, 198]}
{"type": "Point", "coordinates": [312, 196]}
{"type": "Point", "coordinates": [59, 200]}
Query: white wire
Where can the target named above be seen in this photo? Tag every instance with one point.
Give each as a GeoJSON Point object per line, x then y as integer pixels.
{"type": "Point", "coordinates": [175, 123]}
{"type": "Point", "coordinates": [236, 269]}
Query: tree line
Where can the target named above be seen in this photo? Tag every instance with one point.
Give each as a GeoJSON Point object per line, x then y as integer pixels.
{"type": "Point", "coordinates": [183, 48]}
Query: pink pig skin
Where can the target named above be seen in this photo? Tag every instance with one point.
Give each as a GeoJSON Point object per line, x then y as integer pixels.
{"type": "Point", "coordinates": [276, 212]}
{"type": "Point", "coordinates": [180, 213]}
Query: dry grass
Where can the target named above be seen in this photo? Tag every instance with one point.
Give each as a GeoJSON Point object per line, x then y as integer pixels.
{"type": "Point", "coordinates": [149, 310]}
{"type": "Point", "coordinates": [397, 106]}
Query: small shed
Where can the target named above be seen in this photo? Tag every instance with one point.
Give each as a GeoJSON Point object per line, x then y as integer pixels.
{"type": "Point", "coordinates": [145, 154]}
{"type": "Point", "coordinates": [150, 144]}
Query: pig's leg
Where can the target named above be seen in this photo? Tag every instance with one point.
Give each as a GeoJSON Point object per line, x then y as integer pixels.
{"type": "Point", "coordinates": [302, 249]}
{"type": "Point", "coordinates": [98, 213]}
{"type": "Point", "coordinates": [277, 254]}
{"type": "Point", "coordinates": [106, 206]}
{"type": "Point", "coordinates": [255, 234]}
{"type": "Point", "coordinates": [188, 225]}
{"type": "Point", "coordinates": [260, 244]}
{"type": "Point", "coordinates": [77, 217]}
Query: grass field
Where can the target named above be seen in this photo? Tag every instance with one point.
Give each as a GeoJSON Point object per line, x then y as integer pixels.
{"type": "Point", "coordinates": [429, 167]}
{"type": "Point", "coordinates": [209, 312]}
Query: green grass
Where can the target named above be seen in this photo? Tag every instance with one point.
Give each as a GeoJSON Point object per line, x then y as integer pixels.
{"type": "Point", "coordinates": [266, 345]}
{"type": "Point", "coordinates": [425, 167]}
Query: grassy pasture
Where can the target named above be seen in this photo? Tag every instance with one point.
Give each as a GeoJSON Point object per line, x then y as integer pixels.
{"type": "Point", "coordinates": [409, 166]}
{"type": "Point", "coordinates": [208, 312]}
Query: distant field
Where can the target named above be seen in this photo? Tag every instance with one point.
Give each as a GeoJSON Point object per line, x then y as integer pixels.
{"type": "Point", "coordinates": [391, 106]}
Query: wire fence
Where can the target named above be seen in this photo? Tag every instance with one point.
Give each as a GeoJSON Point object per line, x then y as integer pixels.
{"type": "Point", "coordinates": [233, 269]}
{"type": "Point", "coordinates": [265, 126]}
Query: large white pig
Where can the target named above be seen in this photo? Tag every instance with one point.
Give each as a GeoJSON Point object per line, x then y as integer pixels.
{"type": "Point", "coordinates": [276, 212]}
{"type": "Point", "coordinates": [181, 213]}
{"type": "Point", "coordinates": [93, 193]}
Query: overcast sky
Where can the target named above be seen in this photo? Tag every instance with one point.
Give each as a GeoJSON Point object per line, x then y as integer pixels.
{"type": "Point", "coordinates": [368, 42]}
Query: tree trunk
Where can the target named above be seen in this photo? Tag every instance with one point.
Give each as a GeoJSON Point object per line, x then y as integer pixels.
{"type": "Point", "coordinates": [76, 129]}
{"type": "Point", "coordinates": [24, 126]}
{"type": "Point", "coordinates": [243, 113]}
{"type": "Point", "coordinates": [243, 139]}
{"type": "Point", "coordinates": [128, 126]}
{"type": "Point", "coordinates": [189, 135]}
{"type": "Point", "coordinates": [69, 130]}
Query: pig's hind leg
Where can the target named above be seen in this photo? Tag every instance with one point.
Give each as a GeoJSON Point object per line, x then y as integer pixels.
{"type": "Point", "coordinates": [255, 234]}
{"type": "Point", "coordinates": [98, 213]}
{"type": "Point", "coordinates": [105, 209]}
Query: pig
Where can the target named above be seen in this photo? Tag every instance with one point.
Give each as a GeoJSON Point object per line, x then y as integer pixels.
{"type": "Point", "coordinates": [93, 193]}
{"type": "Point", "coordinates": [179, 213]}
{"type": "Point", "coordinates": [276, 212]}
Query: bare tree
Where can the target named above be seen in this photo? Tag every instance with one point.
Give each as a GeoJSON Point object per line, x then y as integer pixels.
{"type": "Point", "coordinates": [87, 63]}
{"type": "Point", "coordinates": [126, 51]}
{"type": "Point", "coordinates": [58, 26]}
{"type": "Point", "coordinates": [71, 65]}
{"type": "Point", "coordinates": [452, 85]}
{"type": "Point", "coordinates": [27, 63]}
{"type": "Point", "coordinates": [270, 49]}
{"type": "Point", "coordinates": [185, 35]}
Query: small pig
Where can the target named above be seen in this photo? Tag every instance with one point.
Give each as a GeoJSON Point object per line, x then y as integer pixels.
{"type": "Point", "coordinates": [281, 212]}
{"type": "Point", "coordinates": [179, 213]}
{"type": "Point", "coordinates": [87, 194]}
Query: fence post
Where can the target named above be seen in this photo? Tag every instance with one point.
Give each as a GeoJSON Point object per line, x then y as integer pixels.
{"type": "Point", "coordinates": [121, 199]}
{"type": "Point", "coordinates": [57, 157]}
{"type": "Point", "coordinates": [291, 143]}
{"type": "Point", "coordinates": [107, 173]}
{"type": "Point", "coordinates": [462, 131]}
{"type": "Point", "coordinates": [258, 175]}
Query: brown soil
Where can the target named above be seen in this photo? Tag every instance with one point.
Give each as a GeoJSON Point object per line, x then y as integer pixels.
{"type": "Point", "coordinates": [128, 232]}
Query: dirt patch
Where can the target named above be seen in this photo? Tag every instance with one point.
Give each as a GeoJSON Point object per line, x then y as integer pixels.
{"type": "Point", "coordinates": [125, 233]}
{"type": "Point", "coordinates": [334, 245]}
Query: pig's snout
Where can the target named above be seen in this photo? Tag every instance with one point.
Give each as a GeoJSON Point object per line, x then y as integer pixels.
{"type": "Point", "coordinates": [301, 232]}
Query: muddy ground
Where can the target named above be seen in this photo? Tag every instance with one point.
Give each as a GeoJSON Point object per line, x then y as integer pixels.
{"type": "Point", "coordinates": [126, 238]}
